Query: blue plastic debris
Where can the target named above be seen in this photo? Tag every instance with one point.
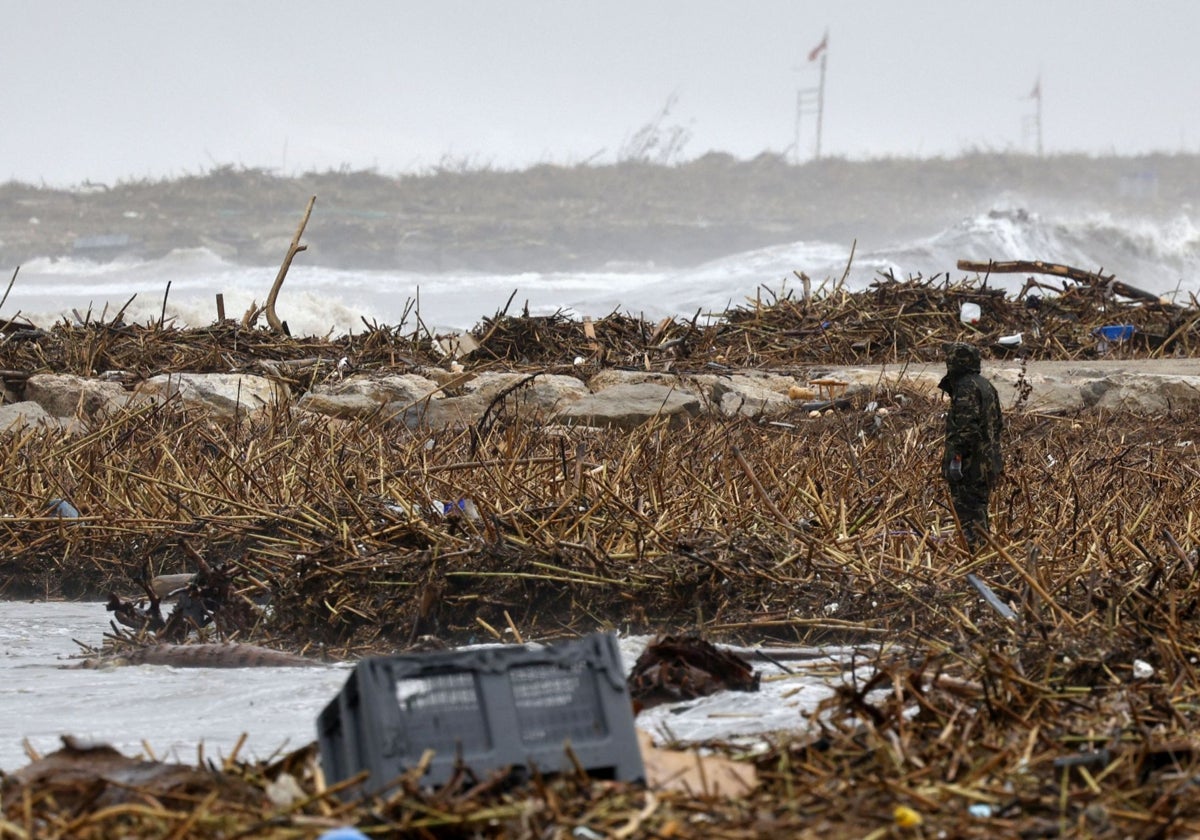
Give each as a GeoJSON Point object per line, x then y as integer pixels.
{"type": "Point", "coordinates": [1116, 332]}
{"type": "Point", "coordinates": [465, 507]}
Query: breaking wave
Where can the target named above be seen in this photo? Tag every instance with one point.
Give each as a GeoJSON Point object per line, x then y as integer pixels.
{"type": "Point", "coordinates": [1157, 255]}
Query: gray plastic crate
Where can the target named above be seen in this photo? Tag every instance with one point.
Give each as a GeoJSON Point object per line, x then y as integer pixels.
{"type": "Point", "coordinates": [502, 707]}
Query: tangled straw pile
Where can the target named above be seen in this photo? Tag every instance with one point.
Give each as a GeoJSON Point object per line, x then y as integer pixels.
{"type": "Point", "coordinates": [1075, 718]}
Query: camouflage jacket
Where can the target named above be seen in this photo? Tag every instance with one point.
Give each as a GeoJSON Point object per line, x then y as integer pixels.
{"type": "Point", "coordinates": [973, 427]}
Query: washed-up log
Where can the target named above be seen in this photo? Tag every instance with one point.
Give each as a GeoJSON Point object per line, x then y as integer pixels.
{"type": "Point", "coordinates": [1091, 278]}
{"type": "Point", "coordinates": [229, 655]}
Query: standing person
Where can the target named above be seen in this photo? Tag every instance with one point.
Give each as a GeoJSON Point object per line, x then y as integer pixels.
{"type": "Point", "coordinates": [973, 461]}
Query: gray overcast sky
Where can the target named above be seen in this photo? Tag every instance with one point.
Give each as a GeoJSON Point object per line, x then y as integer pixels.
{"type": "Point", "coordinates": [130, 89]}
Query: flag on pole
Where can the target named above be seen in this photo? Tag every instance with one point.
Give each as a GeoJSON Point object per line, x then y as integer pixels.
{"type": "Point", "coordinates": [819, 48]}
{"type": "Point", "coordinates": [1036, 93]}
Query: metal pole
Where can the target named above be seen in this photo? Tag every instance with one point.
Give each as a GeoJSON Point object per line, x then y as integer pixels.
{"type": "Point", "coordinates": [821, 100]}
{"type": "Point", "coordinates": [799, 111]}
{"type": "Point", "coordinates": [1039, 117]}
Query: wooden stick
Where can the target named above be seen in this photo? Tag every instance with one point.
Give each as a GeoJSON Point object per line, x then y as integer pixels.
{"type": "Point", "coordinates": [10, 285]}
{"type": "Point", "coordinates": [163, 315]}
{"type": "Point", "coordinates": [293, 249]}
{"type": "Point", "coordinates": [759, 489]}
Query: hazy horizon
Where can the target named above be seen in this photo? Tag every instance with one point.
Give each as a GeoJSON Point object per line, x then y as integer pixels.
{"type": "Point", "coordinates": [130, 90]}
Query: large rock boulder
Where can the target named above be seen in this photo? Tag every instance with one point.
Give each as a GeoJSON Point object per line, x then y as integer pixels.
{"type": "Point", "coordinates": [536, 396]}
{"type": "Point", "coordinates": [748, 393]}
{"type": "Point", "coordinates": [1140, 386]}
{"type": "Point", "coordinates": [629, 406]}
{"type": "Point", "coordinates": [23, 415]}
{"type": "Point", "coordinates": [363, 396]}
{"type": "Point", "coordinates": [761, 395]}
{"type": "Point", "coordinates": [67, 395]}
{"type": "Point", "coordinates": [221, 395]}
{"type": "Point", "coordinates": [1040, 391]}
{"type": "Point", "coordinates": [533, 399]}
{"type": "Point", "coordinates": [919, 379]}
{"type": "Point", "coordinates": [608, 378]}
{"type": "Point", "coordinates": [447, 413]}
{"type": "Point", "coordinates": [1145, 393]}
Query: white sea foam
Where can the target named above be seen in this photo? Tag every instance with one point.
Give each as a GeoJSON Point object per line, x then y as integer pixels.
{"type": "Point", "coordinates": [1158, 255]}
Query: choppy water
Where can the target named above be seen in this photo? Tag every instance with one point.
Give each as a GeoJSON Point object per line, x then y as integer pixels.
{"type": "Point", "coordinates": [172, 712]}
{"type": "Point", "coordinates": [1159, 255]}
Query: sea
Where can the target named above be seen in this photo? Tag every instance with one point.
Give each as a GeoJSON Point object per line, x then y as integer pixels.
{"type": "Point", "coordinates": [180, 713]}
{"type": "Point", "coordinates": [1158, 253]}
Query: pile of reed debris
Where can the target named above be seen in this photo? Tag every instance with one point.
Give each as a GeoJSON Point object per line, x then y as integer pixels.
{"type": "Point", "coordinates": [890, 321]}
{"type": "Point", "coordinates": [1067, 706]}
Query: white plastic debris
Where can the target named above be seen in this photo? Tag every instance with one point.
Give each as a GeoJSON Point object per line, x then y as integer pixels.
{"type": "Point", "coordinates": [284, 790]}
{"type": "Point", "coordinates": [1013, 340]}
{"type": "Point", "coordinates": [62, 509]}
{"type": "Point", "coordinates": [969, 314]}
{"type": "Point", "coordinates": [1142, 670]}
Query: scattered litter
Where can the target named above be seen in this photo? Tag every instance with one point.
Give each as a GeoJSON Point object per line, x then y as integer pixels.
{"type": "Point", "coordinates": [686, 771]}
{"type": "Point", "coordinates": [1116, 332]}
{"type": "Point", "coordinates": [906, 817]}
{"type": "Point", "coordinates": [464, 507]}
{"type": "Point", "coordinates": [1112, 334]}
{"type": "Point", "coordinates": [62, 509]}
{"type": "Point", "coordinates": [829, 389]}
{"type": "Point", "coordinates": [344, 833]}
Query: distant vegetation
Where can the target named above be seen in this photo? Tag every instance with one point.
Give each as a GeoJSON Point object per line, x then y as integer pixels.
{"type": "Point", "coordinates": [559, 217]}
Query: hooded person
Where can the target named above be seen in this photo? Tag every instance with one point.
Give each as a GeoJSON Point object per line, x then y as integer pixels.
{"type": "Point", "coordinates": [973, 461]}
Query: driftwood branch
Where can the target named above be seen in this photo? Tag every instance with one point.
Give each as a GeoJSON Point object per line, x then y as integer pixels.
{"type": "Point", "coordinates": [293, 249]}
{"type": "Point", "coordinates": [1091, 278]}
{"type": "Point", "coordinates": [10, 285]}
